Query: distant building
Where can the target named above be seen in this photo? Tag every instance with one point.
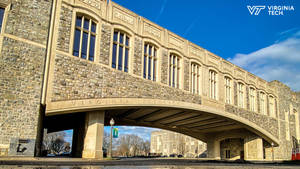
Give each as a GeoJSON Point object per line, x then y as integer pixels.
{"type": "Point", "coordinates": [166, 143]}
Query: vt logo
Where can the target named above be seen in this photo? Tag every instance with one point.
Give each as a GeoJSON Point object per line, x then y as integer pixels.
{"type": "Point", "coordinates": [255, 9]}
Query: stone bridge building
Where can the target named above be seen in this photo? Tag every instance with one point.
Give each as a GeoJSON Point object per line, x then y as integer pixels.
{"type": "Point", "coordinates": [74, 64]}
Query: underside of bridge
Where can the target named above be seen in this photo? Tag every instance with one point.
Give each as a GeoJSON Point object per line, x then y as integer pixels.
{"type": "Point", "coordinates": [213, 129]}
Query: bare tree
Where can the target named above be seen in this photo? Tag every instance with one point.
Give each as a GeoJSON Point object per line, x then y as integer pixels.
{"type": "Point", "coordinates": [55, 143]}
{"type": "Point", "coordinates": [181, 145]}
{"type": "Point", "coordinates": [58, 145]}
{"type": "Point", "coordinates": [132, 145]}
{"type": "Point", "coordinates": [145, 147]}
{"type": "Point", "coordinates": [106, 140]}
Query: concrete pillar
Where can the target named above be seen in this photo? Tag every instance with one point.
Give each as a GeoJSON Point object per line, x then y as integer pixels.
{"type": "Point", "coordinates": [77, 144]}
{"type": "Point", "coordinates": [253, 147]}
{"type": "Point", "coordinates": [213, 149]}
{"type": "Point", "coordinates": [93, 140]}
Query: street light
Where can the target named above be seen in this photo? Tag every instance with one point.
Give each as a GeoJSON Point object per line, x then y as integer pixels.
{"type": "Point", "coordinates": [272, 144]}
{"type": "Point", "coordinates": [112, 122]}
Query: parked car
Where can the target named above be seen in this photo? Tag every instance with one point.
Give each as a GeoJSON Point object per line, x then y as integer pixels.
{"type": "Point", "coordinates": [179, 156]}
{"type": "Point", "coordinates": [172, 155]}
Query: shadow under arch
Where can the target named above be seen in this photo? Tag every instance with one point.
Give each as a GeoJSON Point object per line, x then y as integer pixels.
{"type": "Point", "coordinates": [160, 113]}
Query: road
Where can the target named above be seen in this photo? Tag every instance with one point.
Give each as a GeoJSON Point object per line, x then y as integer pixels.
{"type": "Point", "coordinates": [137, 163]}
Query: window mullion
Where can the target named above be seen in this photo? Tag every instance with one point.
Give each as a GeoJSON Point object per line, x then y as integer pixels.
{"type": "Point", "coordinates": [88, 45]}
{"type": "Point", "coordinates": [175, 72]}
{"type": "Point", "coordinates": [152, 62]}
{"type": "Point", "coordinates": [171, 72]}
{"type": "Point", "coordinates": [123, 53]}
{"type": "Point", "coordinates": [117, 51]}
{"type": "Point", "coordinates": [147, 61]}
{"type": "Point", "coordinates": [198, 79]}
{"type": "Point", "coordinates": [192, 70]}
{"type": "Point", "coordinates": [81, 36]}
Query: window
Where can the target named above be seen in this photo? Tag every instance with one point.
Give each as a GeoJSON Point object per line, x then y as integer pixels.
{"type": "Point", "coordinates": [2, 10]}
{"type": "Point", "coordinates": [252, 99]}
{"type": "Point", "coordinates": [227, 153]}
{"type": "Point", "coordinates": [240, 95]}
{"type": "Point", "coordinates": [150, 62]}
{"type": "Point", "coordinates": [195, 74]}
{"type": "Point", "coordinates": [213, 84]}
{"type": "Point", "coordinates": [262, 103]}
{"type": "Point", "coordinates": [85, 38]}
{"type": "Point", "coordinates": [271, 106]}
{"type": "Point", "coordinates": [228, 90]}
{"type": "Point", "coordinates": [174, 70]}
{"type": "Point", "coordinates": [120, 51]}
{"type": "Point", "coordinates": [287, 125]}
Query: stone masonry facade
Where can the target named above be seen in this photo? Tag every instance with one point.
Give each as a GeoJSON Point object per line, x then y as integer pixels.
{"type": "Point", "coordinates": [23, 51]}
{"type": "Point", "coordinates": [79, 79]}
{"type": "Point", "coordinates": [34, 76]}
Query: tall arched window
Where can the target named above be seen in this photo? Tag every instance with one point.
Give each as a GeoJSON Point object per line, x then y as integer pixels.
{"type": "Point", "coordinates": [2, 10]}
{"type": "Point", "coordinates": [85, 38]}
{"type": "Point", "coordinates": [241, 95]}
{"type": "Point", "coordinates": [150, 62]}
{"type": "Point", "coordinates": [252, 99]}
{"type": "Point", "coordinates": [213, 84]}
{"type": "Point", "coordinates": [262, 103]}
{"type": "Point", "coordinates": [195, 75]}
{"type": "Point", "coordinates": [271, 106]}
{"type": "Point", "coordinates": [120, 54]}
{"type": "Point", "coordinates": [174, 70]}
{"type": "Point", "coordinates": [227, 90]}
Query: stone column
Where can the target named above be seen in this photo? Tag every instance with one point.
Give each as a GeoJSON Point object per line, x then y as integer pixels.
{"type": "Point", "coordinates": [93, 140]}
{"type": "Point", "coordinates": [78, 138]}
{"type": "Point", "coordinates": [213, 149]}
{"type": "Point", "coordinates": [253, 147]}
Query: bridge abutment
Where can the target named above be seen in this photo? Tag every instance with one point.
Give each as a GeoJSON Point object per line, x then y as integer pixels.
{"type": "Point", "coordinates": [93, 139]}
{"type": "Point", "coordinates": [253, 147]}
{"type": "Point", "coordinates": [213, 149]}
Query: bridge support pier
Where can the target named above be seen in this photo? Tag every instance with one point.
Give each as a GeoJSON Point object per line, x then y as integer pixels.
{"type": "Point", "coordinates": [213, 149]}
{"type": "Point", "coordinates": [253, 147]}
{"type": "Point", "coordinates": [93, 140]}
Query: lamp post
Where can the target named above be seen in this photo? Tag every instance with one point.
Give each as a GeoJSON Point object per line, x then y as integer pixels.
{"type": "Point", "coordinates": [112, 122]}
{"type": "Point", "coordinates": [272, 144]}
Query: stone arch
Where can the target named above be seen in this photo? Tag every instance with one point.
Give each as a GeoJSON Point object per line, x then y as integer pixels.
{"type": "Point", "coordinates": [65, 107]}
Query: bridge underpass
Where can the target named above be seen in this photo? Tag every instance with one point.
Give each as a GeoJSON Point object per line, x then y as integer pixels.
{"type": "Point", "coordinates": [217, 131]}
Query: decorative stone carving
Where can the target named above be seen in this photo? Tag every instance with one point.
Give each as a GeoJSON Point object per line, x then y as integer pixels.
{"type": "Point", "coordinates": [93, 3]}
{"type": "Point", "coordinates": [152, 30]}
{"type": "Point", "coordinates": [122, 16]}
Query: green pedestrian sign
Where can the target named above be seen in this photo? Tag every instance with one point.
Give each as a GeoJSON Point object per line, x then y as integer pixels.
{"type": "Point", "coordinates": [115, 132]}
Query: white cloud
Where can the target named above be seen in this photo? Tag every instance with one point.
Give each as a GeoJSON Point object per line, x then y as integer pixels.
{"type": "Point", "coordinates": [279, 61]}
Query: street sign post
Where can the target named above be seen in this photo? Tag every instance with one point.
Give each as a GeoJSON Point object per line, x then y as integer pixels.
{"type": "Point", "coordinates": [115, 132]}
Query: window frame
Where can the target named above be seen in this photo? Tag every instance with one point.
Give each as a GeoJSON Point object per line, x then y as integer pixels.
{"type": "Point", "coordinates": [3, 19]}
{"type": "Point", "coordinates": [154, 61]}
{"type": "Point", "coordinates": [82, 31]}
{"type": "Point", "coordinates": [241, 94]}
{"type": "Point", "coordinates": [213, 84]}
{"type": "Point", "coordinates": [6, 8]}
{"type": "Point", "coordinates": [272, 106]}
{"type": "Point", "coordinates": [228, 89]}
{"type": "Point", "coordinates": [195, 84]}
{"type": "Point", "coordinates": [262, 103]}
{"type": "Point", "coordinates": [174, 65]}
{"type": "Point", "coordinates": [124, 48]}
{"type": "Point", "coordinates": [252, 99]}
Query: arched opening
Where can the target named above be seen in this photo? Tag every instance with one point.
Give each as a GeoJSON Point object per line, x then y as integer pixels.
{"type": "Point", "coordinates": [206, 126]}
{"type": "Point", "coordinates": [232, 148]}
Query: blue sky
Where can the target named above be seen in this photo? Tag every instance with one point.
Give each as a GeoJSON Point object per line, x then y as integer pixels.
{"type": "Point", "coordinates": [268, 46]}
{"type": "Point", "coordinates": [265, 45]}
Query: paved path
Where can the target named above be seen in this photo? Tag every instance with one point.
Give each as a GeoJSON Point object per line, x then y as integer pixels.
{"type": "Point", "coordinates": [137, 163]}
